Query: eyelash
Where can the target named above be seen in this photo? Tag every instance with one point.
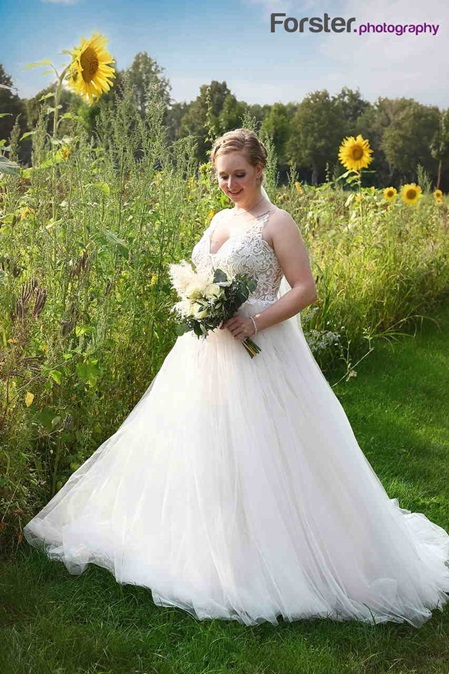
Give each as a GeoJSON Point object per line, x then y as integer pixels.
{"type": "Point", "coordinates": [225, 177]}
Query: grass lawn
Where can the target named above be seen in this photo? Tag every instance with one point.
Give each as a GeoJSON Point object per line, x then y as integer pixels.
{"type": "Point", "coordinates": [398, 405]}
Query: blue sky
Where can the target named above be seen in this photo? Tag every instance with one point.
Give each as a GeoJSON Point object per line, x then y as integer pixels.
{"type": "Point", "coordinates": [196, 41]}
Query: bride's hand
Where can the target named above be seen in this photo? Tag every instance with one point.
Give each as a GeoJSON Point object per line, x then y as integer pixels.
{"type": "Point", "coordinates": [239, 326]}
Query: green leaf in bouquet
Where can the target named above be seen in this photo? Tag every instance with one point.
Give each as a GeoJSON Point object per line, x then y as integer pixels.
{"type": "Point", "coordinates": [181, 328]}
{"type": "Point", "coordinates": [220, 275]}
{"type": "Point", "coordinates": [197, 329]}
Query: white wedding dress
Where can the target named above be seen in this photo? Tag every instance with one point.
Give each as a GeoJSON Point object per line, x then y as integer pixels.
{"type": "Point", "coordinates": [236, 488]}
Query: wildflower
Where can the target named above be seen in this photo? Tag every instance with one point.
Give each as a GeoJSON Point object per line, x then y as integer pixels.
{"type": "Point", "coordinates": [90, 72]}
{"type": "Point", "coordinates": [438, 194]}
{"type": "Point", "coordinates": [354, 153]}
{"type": "Point", "coordinates": [65, 151]}
{"type": "Point", "coordinates": [29, 397]}
{"type": "Point", "coordinates": [299, 188]}
{"type": "Point", "coordinates": [210, 215]}
{"type": "Point", "coordinates": [411, 193]}
{"type": "Point", "coordinates": [390, 193]}
{"type": "Point", "coordinates": [24, 212]}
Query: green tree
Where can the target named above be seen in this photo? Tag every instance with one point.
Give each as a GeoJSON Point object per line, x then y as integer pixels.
{"type": "Point", "coordinates": [175, 114]}
{"type": "Point", "coordinates": [439, 146]}
{"type": "Point", "coordinates": [11, 105]}
{"type": "Point", "coordinates": [277, 124]}
{"type": "Point", "coordinates": [146, 78]}
{"type": "Point", "coordinates": [407, 140]}
{"type": "Point", "coordinates": [317, 129]}
{"type": "Point", "coordinates": [372, 124]}
{"type": "Point", "coordinates": [204, 115]}
{"type": "Point", "coordinates": [231, 114]}
{"type": "Point", "coordinates": [257, 111]}
{"type": "Point", "coordinates": [352, 106]}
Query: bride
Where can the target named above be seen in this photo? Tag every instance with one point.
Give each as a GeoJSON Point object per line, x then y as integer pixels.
{"type": "Point", "coordinates": [235, 488]}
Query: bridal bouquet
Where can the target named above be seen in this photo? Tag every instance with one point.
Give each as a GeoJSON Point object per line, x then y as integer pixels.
{"type": "Point", "coordinates": [207, 301]}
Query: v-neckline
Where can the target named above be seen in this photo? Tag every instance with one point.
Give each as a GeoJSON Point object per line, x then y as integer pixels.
{"type": "Point", "coordinates": [234, 236]}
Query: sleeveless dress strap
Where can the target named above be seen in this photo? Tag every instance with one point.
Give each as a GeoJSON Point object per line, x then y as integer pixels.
{"type": "Point", "coordinates": [263, 220]}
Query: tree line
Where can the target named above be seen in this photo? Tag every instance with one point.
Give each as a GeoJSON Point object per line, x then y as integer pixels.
{"type": "Point", "coordinates": [306, 135]}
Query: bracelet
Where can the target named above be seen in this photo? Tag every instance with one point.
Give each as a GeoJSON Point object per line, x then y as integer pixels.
{"type": "Point", "coordinates": [255, 326]}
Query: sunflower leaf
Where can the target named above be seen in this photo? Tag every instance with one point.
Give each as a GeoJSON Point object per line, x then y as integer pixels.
{"type": "Point", "coordinates": [349, 199]}
{"type": "Point", "coordinates": [44, 62]}
{"type": "Point", "coordinates": [104, 187]}
{"type": "Point", "coordinates": [8, 166]}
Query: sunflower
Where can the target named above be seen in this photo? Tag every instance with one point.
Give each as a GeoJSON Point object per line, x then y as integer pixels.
{"type": "Point", "coordinates": [411, 193]}
{"type": "Point", "coordinates": [438, 194]}
{"type": "Point", "coordinates": [90, 73]}
{"type": "Point", "coordinates": [298, 187]}
{"type": "Point", "coordinates": [354, 153]}
{"type": "Point", "coordinates": [390, 193]}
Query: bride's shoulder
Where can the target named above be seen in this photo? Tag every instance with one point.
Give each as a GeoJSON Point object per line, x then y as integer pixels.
{"type": "Point", "coordinates": [283, 229]}
{"type": "Point", "coordinates": [223, 213]}
{"type": "Point", "coordinates": [282, 219]}
{"type": "Point", "coordinates": [219, 216]}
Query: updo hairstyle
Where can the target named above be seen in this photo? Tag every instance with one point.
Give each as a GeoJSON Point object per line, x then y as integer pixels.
{"type": "Point", "coordinates": [241, 140]}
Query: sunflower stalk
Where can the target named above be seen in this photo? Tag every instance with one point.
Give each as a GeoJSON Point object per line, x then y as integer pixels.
{"type": "Point", "coordinates": [57, 98]}
{"type": "Point", "coordinates": [359, 184]}
{"type": "Point", "coordinates": [58, 92]}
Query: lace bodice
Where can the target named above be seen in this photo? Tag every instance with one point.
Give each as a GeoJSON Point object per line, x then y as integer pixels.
{"type": "Point", "coordinates": [246, 253]}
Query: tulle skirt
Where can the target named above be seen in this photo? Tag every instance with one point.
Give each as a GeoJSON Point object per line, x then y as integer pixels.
{"type": "Point", "coordinates": [236, 489]}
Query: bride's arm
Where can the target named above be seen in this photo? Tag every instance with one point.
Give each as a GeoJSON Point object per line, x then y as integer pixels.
{"type": "Point", "coordinates": [294, 260]}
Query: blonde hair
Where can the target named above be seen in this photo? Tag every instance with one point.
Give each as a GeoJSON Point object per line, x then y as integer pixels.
{"type": "Point", "coordinates": [240, 140]}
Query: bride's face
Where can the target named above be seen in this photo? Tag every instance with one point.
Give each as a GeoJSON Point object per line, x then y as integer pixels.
{"type": "Point", "coordinates": [237, 177]}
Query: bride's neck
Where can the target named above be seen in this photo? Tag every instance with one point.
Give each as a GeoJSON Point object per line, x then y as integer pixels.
{"type": "Point", "coordinates": [257, 201]}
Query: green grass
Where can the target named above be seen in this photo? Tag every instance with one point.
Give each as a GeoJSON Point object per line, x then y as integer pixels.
{"type": "Point", "coordinates": [398, 408]}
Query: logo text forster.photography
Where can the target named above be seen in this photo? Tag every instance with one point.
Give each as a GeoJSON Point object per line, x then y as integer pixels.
{"type": "Point", "coordinates": [338, 24]}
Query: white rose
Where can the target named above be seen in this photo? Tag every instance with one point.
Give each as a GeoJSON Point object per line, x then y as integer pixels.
{"type": "Point", "coordinates": [198, 311]}
{"type": "Point", "coordinates": [194, 289]}
{"type": "Point", "coordinates": [213, 290]}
